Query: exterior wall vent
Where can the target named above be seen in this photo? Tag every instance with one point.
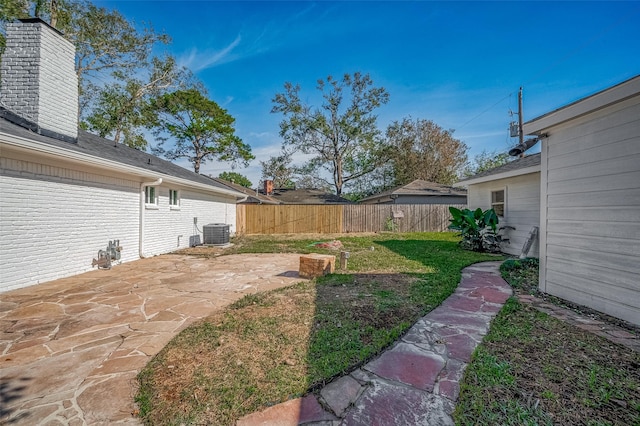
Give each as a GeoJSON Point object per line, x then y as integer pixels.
{"type": "Point", "coordinates": [216, 234]}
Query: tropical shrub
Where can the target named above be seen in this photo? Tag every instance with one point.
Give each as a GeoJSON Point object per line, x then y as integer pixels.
{"type": "Point", "coordinates": [478, 229]}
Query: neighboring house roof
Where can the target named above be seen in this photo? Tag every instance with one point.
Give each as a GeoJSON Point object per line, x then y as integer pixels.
{"type": "Point", "coordinates": [521, 166]}
{"type": "Point", "coordinates": [92, 149]}
{"type": "Point", "coordinates": [253, 196]}
{"type": "Point", "coordinates": [306, 196]}
{"type": "Point", "coordinates": [419, 187]}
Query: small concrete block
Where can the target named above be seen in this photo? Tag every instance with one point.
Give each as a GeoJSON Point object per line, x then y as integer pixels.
{"type": "Point", "coordinates": [361, 376]}
{"type": "Point", "coordinates": [341, 393]}
{"type": "Point", "coordinates": [316, 265]}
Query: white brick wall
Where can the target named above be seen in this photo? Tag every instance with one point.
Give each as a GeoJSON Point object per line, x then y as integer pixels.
{"type": "Point", "coordinates": [39, 82]}
{"type": "Point", "coordinates": [164, 225]}
{"type": "Point", "coordinates": [54, 220]}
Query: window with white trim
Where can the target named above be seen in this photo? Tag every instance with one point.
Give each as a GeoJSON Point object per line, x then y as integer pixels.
{"type": "Point", "coordinates": [150, 196]}
{"type": "Point", "coordinates": [174, 198]}
{"type": "Point", "coordinates": [497, 202]}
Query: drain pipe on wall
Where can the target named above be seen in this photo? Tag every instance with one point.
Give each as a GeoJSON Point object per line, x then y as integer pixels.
{"type": "Point", "coordinates": [143, 185]}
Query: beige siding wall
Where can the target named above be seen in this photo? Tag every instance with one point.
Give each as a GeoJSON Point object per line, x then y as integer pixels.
{"type": "Point", "coordinates": [592, 210]}
{"type": "Point", "coordinates": [522, 207]}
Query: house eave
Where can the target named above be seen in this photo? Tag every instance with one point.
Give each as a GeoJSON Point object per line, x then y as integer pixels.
{"type": "Point", "coordinates": [497, 176]}
{"type": "Point", "coordinates": [30, 146]}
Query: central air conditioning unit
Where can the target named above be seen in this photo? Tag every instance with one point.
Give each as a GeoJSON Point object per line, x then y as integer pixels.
{"type": "Point", "coordinates": [216, 234]}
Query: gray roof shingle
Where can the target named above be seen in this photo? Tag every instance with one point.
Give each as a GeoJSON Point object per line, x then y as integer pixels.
{"type": "Point", "coordinates": [96, 146]}
{"type": "Point", "coordinates": [420, 187]}
{"type": "Point", "coordinates": [521, 163]}
{"type": "Point", "coordinates": [306, 196]}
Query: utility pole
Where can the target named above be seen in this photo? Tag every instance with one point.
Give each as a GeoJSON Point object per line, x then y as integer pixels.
{"type": "Point", "coordinates": [520, 120]}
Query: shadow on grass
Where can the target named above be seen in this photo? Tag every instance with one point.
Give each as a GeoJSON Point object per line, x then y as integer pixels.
{"type": "Point", "coordinates": [380, 306]}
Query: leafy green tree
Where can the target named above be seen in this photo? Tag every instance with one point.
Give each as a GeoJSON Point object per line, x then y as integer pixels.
{"type": "Point", "coordinates": [51, 11]}
{"type": "Point", "coordinates": [236, 178]}
{"type": "Point", "coordinates": [486, 161]}
{"type": "Point", "coordinates": [198, 127]}
{"type": "Point", "coordinates": [10, 10]}
{"type": "Point", "coordinates": [307, 181]}
{"type": "Point", "coordinates": [120, 110]}
{"type": "Point", "coordinates": [342, 134]}
{"type": "Point", "coordinates": [420, 149]}
{"type": "Point", "coordinates": [279, 169]}
{"type": "Point", "coordinates": [108, 46]}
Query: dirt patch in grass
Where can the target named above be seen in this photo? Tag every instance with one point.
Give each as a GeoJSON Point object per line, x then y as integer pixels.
{"type": "Point", "coordinates": [235, 361]}
{"type": "Point", "coordinates": [203, 251]}
{"type": "Point", "coordinates": [378, 300]}
{"type": "Point", "coordinates": [534, 369]}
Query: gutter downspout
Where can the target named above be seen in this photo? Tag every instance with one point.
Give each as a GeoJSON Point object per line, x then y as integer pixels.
{"type": "Point", "coordinates": [143, 185]}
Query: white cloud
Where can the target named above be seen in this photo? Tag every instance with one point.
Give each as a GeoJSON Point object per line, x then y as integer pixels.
{"type": "Point", "coordinates": [227, 101]}
{"type": "Point", "coordinates": [198, 60]}
{"type": "Point", "coordinates": [261, 135]}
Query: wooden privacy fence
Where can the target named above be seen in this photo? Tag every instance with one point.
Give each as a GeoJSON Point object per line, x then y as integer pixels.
{"type": "Point", "coordinates": [337, 219]}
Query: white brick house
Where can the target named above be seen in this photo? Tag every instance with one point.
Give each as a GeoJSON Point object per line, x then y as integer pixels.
{"type": "Point", "coordinates": [588, 186]}
{"type": "Point", "coordinates": [67, 193]}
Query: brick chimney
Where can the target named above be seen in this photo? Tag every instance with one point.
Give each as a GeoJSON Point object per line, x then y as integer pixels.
{"type": "Point", "coordinates": [268, 187]}
{"type": "Point", "coordinates": [39, 83]}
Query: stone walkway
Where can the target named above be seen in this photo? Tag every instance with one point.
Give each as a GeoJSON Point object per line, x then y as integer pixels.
{"type": "Point", "coordinates": [70, 349]}
{"type": "Point", "coordinates": [416, 381]}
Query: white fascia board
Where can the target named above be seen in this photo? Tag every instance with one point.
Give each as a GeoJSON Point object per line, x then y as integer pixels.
{"type": "Point", "coordinates": [30, 146]}
{"type": "Point", "coordinates": [497, 176]}
{"type": "Point", "coordinates": [600, 100]}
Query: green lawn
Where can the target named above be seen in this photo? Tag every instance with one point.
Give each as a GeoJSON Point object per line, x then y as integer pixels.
{"type": "Point", "coordinates": [270, 347]}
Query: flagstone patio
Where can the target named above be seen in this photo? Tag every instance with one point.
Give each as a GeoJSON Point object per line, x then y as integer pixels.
{"type": "Point", "coordinates": [70, 349]}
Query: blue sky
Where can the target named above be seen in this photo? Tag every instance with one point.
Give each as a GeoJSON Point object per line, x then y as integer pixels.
{"type": "Point", "coordinates": [459, 64]}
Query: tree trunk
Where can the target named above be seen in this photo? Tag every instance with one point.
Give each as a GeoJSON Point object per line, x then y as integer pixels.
{"type": "Point", "coordinates": [338, 178]}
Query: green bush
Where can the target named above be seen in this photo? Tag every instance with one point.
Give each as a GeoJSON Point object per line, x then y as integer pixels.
{"type": "Point", "coordinates": [478, 229]}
